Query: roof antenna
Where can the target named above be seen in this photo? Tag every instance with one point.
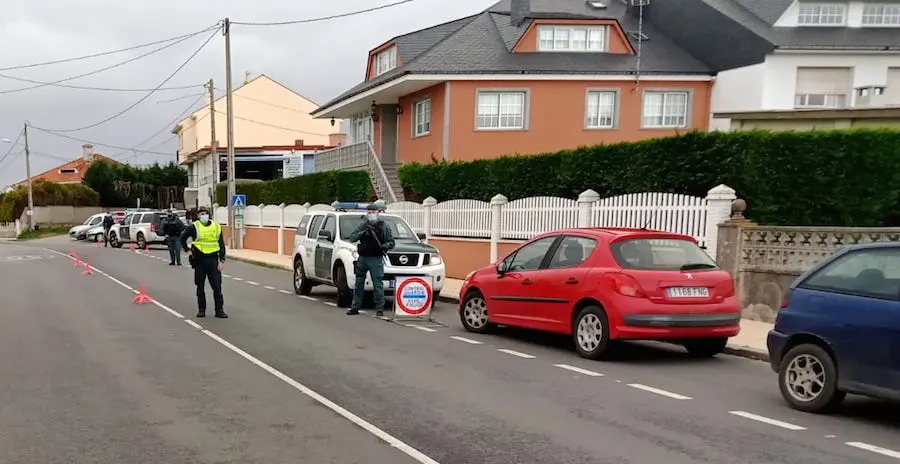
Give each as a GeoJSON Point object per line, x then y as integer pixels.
{"type": "Point", "coordinates": [640, 34]}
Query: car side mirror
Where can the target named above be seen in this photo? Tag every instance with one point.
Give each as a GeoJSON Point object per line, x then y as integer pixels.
{"type": "Point", "coordinates": [326, 234]}
{"type": "Point", "coordinates": [501, 268]}
{"type": "Point", "coordinates": [421, 235]}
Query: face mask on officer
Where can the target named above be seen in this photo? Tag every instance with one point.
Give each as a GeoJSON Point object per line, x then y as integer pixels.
{"type": "Point", "coordinates": [372, 217]}
{"type": "Point", "coordinates": [204, 218]}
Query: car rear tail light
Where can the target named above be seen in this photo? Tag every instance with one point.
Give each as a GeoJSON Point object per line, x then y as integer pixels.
{"type": "Point", "coordinates": [725, 289]}
{"type": "Point", "coordinates": [626, 285]}
{"type": "Point", "coordinates": [785, 300]}
{"type": "Point", "coordinates": [152, 227]}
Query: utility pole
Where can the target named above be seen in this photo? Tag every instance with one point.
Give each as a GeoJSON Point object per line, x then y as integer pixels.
{"type": "Point", "coordinates": [30, 212]}
{"type": "Point", "coordinates": [213, 143]}
{"type": "Point", "coordinates": [236, 237]}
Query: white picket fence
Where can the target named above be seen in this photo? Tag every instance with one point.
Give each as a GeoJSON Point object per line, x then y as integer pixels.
{"type": "Point", "coordinates": [521, 219]}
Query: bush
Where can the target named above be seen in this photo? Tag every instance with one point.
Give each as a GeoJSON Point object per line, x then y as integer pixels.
{"type": "Point", "coordinates": [322, 187]}
{"type": "Point", "coordinates": [836, 177]}
{"type": "Point", "coordinates": [13, 203]}
{"type": "Point", "coordinates": [121, 184]}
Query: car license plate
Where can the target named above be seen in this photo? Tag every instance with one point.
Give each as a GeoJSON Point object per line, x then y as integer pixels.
{"type": "Point", "coordinates": [688, 292]}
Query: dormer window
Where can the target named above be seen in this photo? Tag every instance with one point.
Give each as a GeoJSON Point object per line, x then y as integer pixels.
{"type": "Point", "coordinates": [572, 38]}
{"type": "Point", "coordinates": [822, 14]}
{"type": "Point", "coordinates": [881, 15]}
{"type": "Point", "coordinates": [385, 60]}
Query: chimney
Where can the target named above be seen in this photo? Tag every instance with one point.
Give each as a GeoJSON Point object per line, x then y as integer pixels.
{"type": "Point", "coordinates": [519, 10]}
{"type": "Point", "coordinates": [299, 143]}
{"type": "Point", "coordinates": [87, 152]}
{"type": "Point", "coordinates": [337, 140]}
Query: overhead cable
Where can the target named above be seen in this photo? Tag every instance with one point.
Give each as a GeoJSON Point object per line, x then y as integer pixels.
{"type": "Point", "coordinates": [168, 126]}
{"type": "Point", "coordinates": [322, 18]}
{"type": "Point", "coordinates": [77, 139]}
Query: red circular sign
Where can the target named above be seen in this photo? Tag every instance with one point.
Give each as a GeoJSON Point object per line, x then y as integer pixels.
{"type": "Point", "coordinates": [399, 296]}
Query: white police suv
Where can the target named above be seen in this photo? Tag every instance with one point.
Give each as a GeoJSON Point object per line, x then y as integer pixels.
{"type": "Point", "coordinates": [324, 254]}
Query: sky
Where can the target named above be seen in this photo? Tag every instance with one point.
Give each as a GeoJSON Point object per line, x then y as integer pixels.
{"type": "Point", "coordinates": [319, 60]}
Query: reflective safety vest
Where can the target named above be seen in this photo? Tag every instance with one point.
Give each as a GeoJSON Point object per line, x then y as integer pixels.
{"type": "Point", "coordinates": [207, 241]}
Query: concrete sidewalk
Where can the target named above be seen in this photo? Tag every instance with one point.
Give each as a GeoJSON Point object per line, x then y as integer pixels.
{"type": "Point", "coordinates": [750, 343]}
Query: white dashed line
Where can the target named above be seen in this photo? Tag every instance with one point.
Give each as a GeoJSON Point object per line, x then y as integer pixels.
{"type": "Point", "coordinates": [766, 420]}
{"type": "Point", "coordinates": [267, 287]}
{"type": "Point", "coordinates": [874, 449]}
{"type": "Point", "coordinates": [330, 303]}
{"type": "Point", "coordinates": [579, 370]}
{"type": "Point", "coordinates": [284, 291]}
{"type": "Point", "coordinates": [424, 329]}
{"type": "Point", "coordinates": [237, 279]}
{"type": "Point", "coordinates": [363, 311]}
{"type": "Point", "coordinates": [252, 282]}
{"type": "Point", "coordinates": [194, 324]}
{"type": "Point", "coordinates": [516, 353]}
{"type": "Point", "coordinates": [466, 340]}
{"type": "Point", "coordinates": [226, 276]}
{"type": "Point", "coordinates": [307, 298]}
{"type": "Point", "coordinates": [658, 391]}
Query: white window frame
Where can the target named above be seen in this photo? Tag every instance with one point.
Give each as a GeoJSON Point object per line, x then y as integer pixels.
{"type": "Point", "coordinates": [822, 14]}
{"type": "Point", "coordinates": [499, 111]}
{"type": "Point", "coordinates": [599, 111]}
{"type": "Point", "coordinates": [585, 39]}
{"type": "Point", "coordinates": [881, 15]}
{"type": "Point", "coordinates": [830, 100]}
{"type": "Point", "coordinates": [667, 96]}
{"type": "Point", "coordinates": [421, 120]}
{"type": "Point", "coordinates": [385, 60]}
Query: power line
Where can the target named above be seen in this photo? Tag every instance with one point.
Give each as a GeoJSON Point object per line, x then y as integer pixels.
{"type": "Point", "coordinates": [12, 146]}
{"type": "Point", "coordinates": [274, 105]}
{"type": "Point", "coordinates": [166, 127]}
{"type": "Point", "coordinates": [112, 52]}
{"type": "Point", "coordinates": [129, 108]}
{"type": "Point", "coordinates": [322, 18]}
{"type": "Point", "coordinates": [172, 100]}
{"type": "Point", "coordinates": [98, 71]}
{"type": "Point", "coordinates": [119, 147]}
{"type": "Point", "coordinates": [274, 126]}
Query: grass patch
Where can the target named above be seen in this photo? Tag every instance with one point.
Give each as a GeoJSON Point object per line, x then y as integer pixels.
{"type": "Point", "coordinates": [44, 232]}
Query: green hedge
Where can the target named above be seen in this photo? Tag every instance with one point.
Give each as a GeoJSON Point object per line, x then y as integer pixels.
{"type": "Point", "coordinates": [13, 203]}
{"type": "Point", "coordinates": [323, 187]}
{"type": "Point", "coordinates": [836, 177]}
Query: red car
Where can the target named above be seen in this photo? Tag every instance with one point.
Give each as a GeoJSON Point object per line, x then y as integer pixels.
{"type": "Point", "coordinates": [600, 285]}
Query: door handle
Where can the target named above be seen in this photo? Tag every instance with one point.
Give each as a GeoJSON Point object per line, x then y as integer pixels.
{"type": "Point", "coordinates": [526, 282]}
{"type": "Point", "coordinates": [572, 281]}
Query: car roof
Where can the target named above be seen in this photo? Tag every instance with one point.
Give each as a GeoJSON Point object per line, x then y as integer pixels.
{"type": "Point", "coordinates": [617, 233]}
{"type": "Point", "coordinates": [863, 246]}
{"type": "Point", "coordinates": [345, 213]}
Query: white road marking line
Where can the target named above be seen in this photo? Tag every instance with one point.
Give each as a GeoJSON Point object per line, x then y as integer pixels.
{"type": "Point", "coordinates": [285, 292]}
{"type": "Point", "coordinates": [579, 370]}
{"type": "Point", "coordinates": [251, 282]}
{"type": "Point", "coordinates": [330, 303]}
{"type": "Point", "coordinates": [466, 340]}
{"type": "Point", "coordinates": [226, 276]}
{"type": "Point", "coordinates": [362, 423]}
{"type": "Point", "coordinates": [308, 298]}
{"type": "Point", "coordinates": [237, 279]}
{"type": "Point", "coordinates": [267, 287]}
{"type": "Point", "coordinates": [875, 449]}
{"type": "Point", "coordinates": [766, 420]}
{"type": "Point", "coordinates": [363, 311]}
{"type": "Point", "coordinates": [516, 353]}
{"type": "Point", "coordinates": [658, 391]}
{"type": "Point", "coordinates": [194, 324]}
{"type": "Point", "coordinates": [424, 329]}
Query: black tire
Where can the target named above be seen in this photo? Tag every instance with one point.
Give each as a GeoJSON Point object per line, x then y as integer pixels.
{"type": "Point", "coordinates": [705, 347]}
{"type": "Point", "coordinates": [473, 313]}
{"type": "Point", "coordinates": [344, 293]}
{"type": "Point", "coordinates": [302, 285]}
{"type": "Point", "coordinates": [595, 323]}
{"type": "Point", "coordinates": [828, 397]}
{"type": "Point", "coordinates": [141, 241]}
{"type": "Point", "coordinates": [114, 240]}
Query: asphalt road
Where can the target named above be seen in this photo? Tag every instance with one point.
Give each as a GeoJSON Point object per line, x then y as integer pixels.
{"type": "Point", "coordinates": [90, 377]}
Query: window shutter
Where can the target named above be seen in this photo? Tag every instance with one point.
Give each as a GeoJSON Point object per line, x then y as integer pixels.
{"type": "Point", "coordinates": [892, 88]}
{"type": "Point", "coordinates": [824, 81]}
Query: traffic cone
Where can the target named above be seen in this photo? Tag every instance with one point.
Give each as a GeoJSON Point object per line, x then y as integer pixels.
{"type": "Point", "coordinates": [77, 261]}
{"type": "Point", "coordinates": [147, 249]}
{"type": "Point", "coordinates": [71, 252]}
{"type": "Point", "coordinates": [142, 297]}
{"type": "Point", "coordinates": [99, 244]}
{"type": "Point", "coordinates": [131, 247]}
{"type": "Point", "coordinates": [87, 270]}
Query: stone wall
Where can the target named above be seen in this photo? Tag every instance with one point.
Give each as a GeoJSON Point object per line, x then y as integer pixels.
{"type": "Point", "coordinates": [765, 260]}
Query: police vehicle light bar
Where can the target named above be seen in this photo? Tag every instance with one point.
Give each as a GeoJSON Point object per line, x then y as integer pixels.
{"type": "Point", "coordinates": [355, 206]}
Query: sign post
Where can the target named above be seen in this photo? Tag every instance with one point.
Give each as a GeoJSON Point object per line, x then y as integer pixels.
{"type": "Point", "coordinates": [413, 298]}
{"type": "Point", "coordinates": [238, 203]}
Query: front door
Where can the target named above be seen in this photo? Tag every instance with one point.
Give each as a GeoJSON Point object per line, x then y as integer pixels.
{"type": "Point", "coordinates": [560, 282]}
{"type": "Point", "coordinates": [325, 248]}
{"type": "Point", "coordinates": [125, 228]}
{"type": "Point", "coordinates": [513, 294]}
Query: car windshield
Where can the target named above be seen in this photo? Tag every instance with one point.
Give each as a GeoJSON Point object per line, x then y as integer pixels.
{"type": "Point", "coordinates": [654, 254]}
{"type": "Point", "coordinates": [399, 229]}
{"type": "Point", "coordinates": [87, 221]}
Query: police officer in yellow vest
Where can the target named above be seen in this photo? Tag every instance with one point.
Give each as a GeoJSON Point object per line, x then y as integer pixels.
{"type": "Point", "coordinates": [207, 257]}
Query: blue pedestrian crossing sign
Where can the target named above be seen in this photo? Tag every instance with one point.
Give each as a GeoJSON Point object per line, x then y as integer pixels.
{"type": "Point", "coordinates": [239, 201]}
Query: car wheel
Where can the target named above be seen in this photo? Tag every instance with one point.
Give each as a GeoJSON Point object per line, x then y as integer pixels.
{"type": "Point", "coordinates": [705, 347]}
{"type": "Point", "coordinates": [807, 378]}
{"type": "Point", "coordinates": [114, 240]}
{"type": "Point", "coordinates": [590, 332]}
{"type": "Point", "coordinates": [141, 241]}
{"type": "Point", "coordinates": [344, 294]}
{"type": "Point", "coordinates": [473, 313]}
{"type": "Point", "coordinates": [302, 286]}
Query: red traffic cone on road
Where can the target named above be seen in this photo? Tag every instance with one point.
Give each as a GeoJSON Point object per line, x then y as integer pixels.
{"type": "Point", "coordinates": [142, 297]}
{"type": "Point", "coordinates": [131, 247]}
{"type": "Point", "coordinates": [71, 252]}
{"type": "Point", "coordinates": [77, 261]}
{"type": "Point", "coordinates": [147, 249]}
{"type": "Point", "coordinates": [87, 270]}
{"type": "Point", "coordinates": [99, 244]}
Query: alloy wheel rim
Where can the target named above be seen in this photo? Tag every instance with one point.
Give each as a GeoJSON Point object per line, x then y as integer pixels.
{"type": "Point", "coordinates": [805, 378]}
{"type": "Point", "coordinates": [298, 277]}
{"type": "Point", "coordinates": [475, 313]}
{"type": "Point", "coordinates": [589, 332]}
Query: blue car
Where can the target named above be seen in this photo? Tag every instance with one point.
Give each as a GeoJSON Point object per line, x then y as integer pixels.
{"type": "Point", "coordinates": [838, 330]}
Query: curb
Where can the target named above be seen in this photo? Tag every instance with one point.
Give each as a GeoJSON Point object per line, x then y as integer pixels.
{"type": "Point", "coordinates": [259, 263]}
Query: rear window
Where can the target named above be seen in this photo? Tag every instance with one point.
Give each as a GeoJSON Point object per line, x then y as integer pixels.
{"type": "Point", "coordinates": [655, 254]}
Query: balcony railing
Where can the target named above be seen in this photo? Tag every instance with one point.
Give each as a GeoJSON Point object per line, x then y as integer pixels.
{"type": "Point", "coordinates": [345, 158]}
